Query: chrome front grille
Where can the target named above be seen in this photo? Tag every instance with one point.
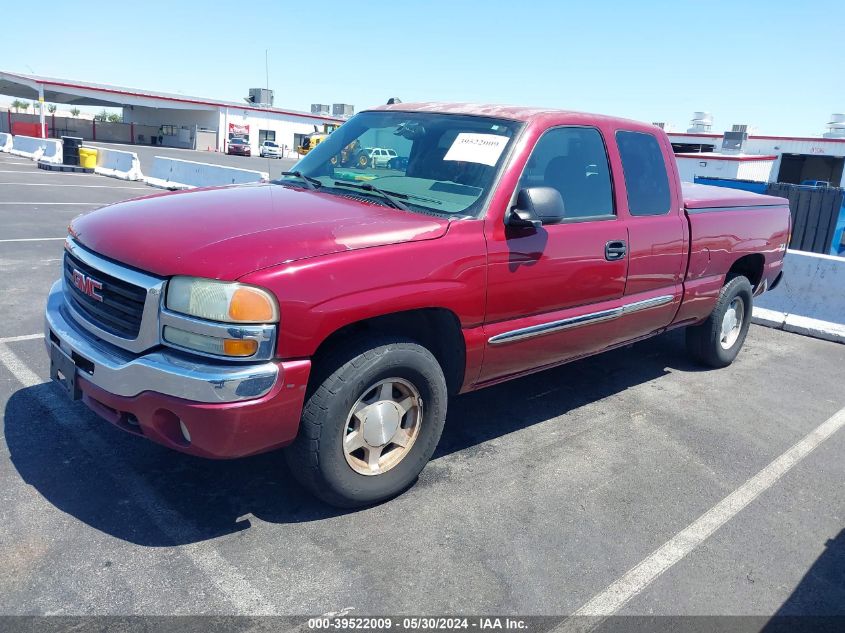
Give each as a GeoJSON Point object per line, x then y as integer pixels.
{"type": "Point", "coordinates": [118, 304]}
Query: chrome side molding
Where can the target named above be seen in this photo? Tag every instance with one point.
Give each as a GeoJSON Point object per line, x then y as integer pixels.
{"type": "Point", "coordinates": [577, 321]}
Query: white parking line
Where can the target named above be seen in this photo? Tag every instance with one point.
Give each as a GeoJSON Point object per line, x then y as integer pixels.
{"type": "Point", "coordinates": [44, 172]}
{"type": "Point", "coordinates": [21, 171]}
{"type": "Point", "coordinates": [230, 582]}
{"type": "Point", "coordinates": [50, 184]}
{"type": "Point", "coordinates": [33, 239]}
{"type": "Point", "coordinates": [55, 203]}
{"type": "Point", "coordinates": [25, 337]}
{"type": "Point", "coordinates": [635, 580]}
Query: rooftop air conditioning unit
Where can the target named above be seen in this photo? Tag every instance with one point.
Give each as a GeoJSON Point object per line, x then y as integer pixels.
{"type": "Point", "coordinates": [836, 126]}
{"type": "Point", "coordinates": [260, 96]}
{"type": "Point", "coordinates": [701, 122]}
{"type": "Point", "coordinates": [734, 141]}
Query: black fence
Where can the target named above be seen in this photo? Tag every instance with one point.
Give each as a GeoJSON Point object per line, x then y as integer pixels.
{"type": "Point", "coordinates": [815, 211]}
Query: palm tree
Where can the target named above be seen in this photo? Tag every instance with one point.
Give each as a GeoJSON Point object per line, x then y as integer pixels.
{"type": "Point", "coordinates": [74, 112]}
{"type": "Point", "coordinates": [17, 104]}
{"type": "Point", "coordinates": [51, 108]}
{"type": "Point", "coordinates": [24, 105]}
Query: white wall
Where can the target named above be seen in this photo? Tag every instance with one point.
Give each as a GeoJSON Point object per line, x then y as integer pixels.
{"type": "Point", "coordinates": [689, 168]}
{"type": "Point", "coordinates": [284, 126]}
{"type": "Point", "coordinates": [709, 167]}
{"type": "Point", "coordinates": [163, 116]}
{"type": "Point", "coordinates": [759, 170]}
{"type": "Point", "coordinates": [776, 147]}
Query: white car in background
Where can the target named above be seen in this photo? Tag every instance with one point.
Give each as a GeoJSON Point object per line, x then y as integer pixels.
{"type": "Point", "coordinates": [379, 157]}
{"type": "Point", "coordinates": [270, 149]}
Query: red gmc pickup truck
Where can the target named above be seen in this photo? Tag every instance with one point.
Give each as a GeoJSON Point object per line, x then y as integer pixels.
{"type": "Point", "coordinates": [334, 311]}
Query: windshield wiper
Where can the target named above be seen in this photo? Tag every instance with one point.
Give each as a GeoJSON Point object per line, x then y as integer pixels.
{"type": "Point", "coordinates": [391, 198]}
{"type": "Point", "coordinates": [311, 183]}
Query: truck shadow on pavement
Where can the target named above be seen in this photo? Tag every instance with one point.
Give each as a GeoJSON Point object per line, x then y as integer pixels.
{"type": "Point", "coordinates": [820, 594]}
{"type": "Point", "coordinates": [140, 492]}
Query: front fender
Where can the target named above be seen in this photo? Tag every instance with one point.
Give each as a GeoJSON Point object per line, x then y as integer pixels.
{"type": "Point", "coordinates": [319, 296]}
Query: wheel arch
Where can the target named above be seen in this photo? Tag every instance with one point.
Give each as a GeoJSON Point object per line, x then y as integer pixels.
{"type": "Point", "coordinates": [750, 266]}
{"type": "Point", "coordinates": [436, 329]}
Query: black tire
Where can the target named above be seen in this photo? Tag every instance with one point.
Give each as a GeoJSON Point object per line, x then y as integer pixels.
{"type": "Point", "coordinates": [704, 341]}
{"type": "Point", "coordinates": [317, 458]}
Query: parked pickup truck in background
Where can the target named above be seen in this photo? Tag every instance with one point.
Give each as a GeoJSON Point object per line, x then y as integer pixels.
{"type": "Point", "coordinates": [334, 311]}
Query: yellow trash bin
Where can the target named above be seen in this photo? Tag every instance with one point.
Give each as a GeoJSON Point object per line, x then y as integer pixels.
{"type": "Point", "coordinates": [87, 157]}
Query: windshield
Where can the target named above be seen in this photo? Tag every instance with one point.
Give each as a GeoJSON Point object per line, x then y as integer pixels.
{"type": "Point", "coordinates": [433, 163]}
{"type": "Point", "coordinates": [270, 144]}
{"type": "Point", "coordinates": [237, 141]}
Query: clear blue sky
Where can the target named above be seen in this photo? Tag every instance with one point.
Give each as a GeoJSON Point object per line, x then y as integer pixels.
{"type": "Point", "coordinates": [778, 64]}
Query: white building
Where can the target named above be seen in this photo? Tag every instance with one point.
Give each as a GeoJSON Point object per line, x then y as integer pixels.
{"type": "Point", "coordinates": [157, 118]}
{"type": "Point", "coordinates": [740, 154]}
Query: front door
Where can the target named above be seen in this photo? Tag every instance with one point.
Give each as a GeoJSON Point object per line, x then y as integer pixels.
{"type": "Point", "coordinates": [553, 292]}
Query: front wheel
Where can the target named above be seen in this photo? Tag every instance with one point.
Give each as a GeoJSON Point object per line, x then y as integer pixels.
{"type": "Point", "coordinates": [372, 423]}
{"type": "Point", "coordinates": [717, 341]}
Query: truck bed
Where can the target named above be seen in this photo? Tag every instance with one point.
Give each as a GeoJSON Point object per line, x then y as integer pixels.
{"type": "Point", "coordinates": [724, 226]}
{"type": "Point", "coordinates": [702, 198]}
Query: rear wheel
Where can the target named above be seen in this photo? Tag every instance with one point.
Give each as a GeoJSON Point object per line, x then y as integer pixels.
{"type": "Point", "coordinates": [717, 341]}
{"type": "Point", "coordinates": [372, 423]}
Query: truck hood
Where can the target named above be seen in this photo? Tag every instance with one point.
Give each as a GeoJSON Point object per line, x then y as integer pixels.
{"type": "Point", "coordinates": [227, 232]}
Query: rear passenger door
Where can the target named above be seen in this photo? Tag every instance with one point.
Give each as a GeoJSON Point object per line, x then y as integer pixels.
{"type": "Point", "coordinates": [657, 233]}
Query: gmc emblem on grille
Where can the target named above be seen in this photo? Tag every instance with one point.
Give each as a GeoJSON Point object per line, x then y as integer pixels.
{"type": "Point", "coordinates": [87, 285]}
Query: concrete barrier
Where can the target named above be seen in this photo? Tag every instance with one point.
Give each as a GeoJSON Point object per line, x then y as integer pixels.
{"type": "Point", "coordinates": [118, 164]}
{"type": "Point", "coordinates": [53, 151]}
{"type": "Point", "coordinates": [27, 147]}
{"type": "Point", "coordinates": [174, 173]}
{"type": "Point", "coordinates": [46, 149]}
{"type": "Point", "coordinates": [5, 142]}
{"type": "Point", "coordinates": [809, 300]}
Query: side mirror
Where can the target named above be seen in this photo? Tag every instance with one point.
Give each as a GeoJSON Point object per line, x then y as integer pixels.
{"type": "Point", "coordinates": [536, 206]}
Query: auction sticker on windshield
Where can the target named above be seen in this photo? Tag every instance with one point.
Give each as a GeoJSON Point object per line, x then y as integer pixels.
{"type": "Point", "coordinates": [477, 148]}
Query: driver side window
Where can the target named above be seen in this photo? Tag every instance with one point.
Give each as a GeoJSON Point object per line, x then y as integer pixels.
{"type": "Point", "coordinates": [573, 160]}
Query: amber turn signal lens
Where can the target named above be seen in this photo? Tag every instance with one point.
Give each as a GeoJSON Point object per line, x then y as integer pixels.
{"type": "Point", "coordinates": [239, 347]}
{"type": "Point", "coordinates": [248, 304]}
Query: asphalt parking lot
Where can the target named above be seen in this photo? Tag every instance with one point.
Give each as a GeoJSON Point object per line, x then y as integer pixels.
{"type": "Point", "coordinates": [597, 483]}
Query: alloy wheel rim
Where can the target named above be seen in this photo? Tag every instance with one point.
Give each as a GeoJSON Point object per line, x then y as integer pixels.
{"type": "Point", "coordinates": [382, 426]}
{"type": "Point", "coordinates": [732, 323]}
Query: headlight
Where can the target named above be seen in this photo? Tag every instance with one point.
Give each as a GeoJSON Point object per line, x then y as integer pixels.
{"type": "Point", "coordinates": [223, 301]}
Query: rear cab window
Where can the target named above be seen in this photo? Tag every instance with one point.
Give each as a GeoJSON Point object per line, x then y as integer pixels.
{"type": "Point", "coordinates": [646, 178]}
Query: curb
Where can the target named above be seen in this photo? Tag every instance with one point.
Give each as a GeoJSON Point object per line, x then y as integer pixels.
{"type": "Point", "coordinates": [59, 167]}
{"type": "Point", "coordinates": [815, 328]}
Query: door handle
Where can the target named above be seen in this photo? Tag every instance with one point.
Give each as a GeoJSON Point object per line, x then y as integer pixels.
{"type": "Point", "coordinates": [614, 250]}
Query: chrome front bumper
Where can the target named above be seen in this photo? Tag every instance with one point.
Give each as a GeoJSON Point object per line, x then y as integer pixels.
{"type": "Point", "coordinates": [162, 370]}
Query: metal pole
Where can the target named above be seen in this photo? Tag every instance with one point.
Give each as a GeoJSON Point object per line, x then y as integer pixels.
{"type": "Point", "coordinates": [226, 130]}
{"type": "Point", "coordinates": [41, 110]}
{"type": "Point", "coordinates": [267, 69]}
